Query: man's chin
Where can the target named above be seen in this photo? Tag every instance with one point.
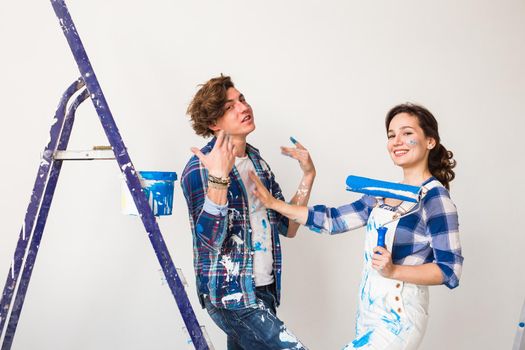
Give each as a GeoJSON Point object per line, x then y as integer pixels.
{"type": "Point", "coordinates": [248, 131]}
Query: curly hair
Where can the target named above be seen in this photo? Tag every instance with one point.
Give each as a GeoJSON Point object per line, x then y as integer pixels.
{"type": "Point", "coordinates": [208, 104]}
{"type": "Point", "coordinates": [440, 160]}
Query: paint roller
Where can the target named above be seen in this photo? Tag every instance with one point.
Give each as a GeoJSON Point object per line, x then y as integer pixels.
{"type": "Point", "coordinates": [385, 189]}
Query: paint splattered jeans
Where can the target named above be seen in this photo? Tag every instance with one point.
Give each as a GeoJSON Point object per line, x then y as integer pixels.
{"type": "Point", "coordinates": [256, 328]}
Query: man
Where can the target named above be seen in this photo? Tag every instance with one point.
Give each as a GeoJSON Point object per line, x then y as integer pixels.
{"type": "Point", "coordinates": [237, 254]}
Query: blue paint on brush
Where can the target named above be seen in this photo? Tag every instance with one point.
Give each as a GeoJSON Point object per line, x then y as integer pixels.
{"type": "Point", "coordinates": [294, 141]}
{"type": "Point", "coordinates": [384, 189]}
{"type": "Point", "coordinates": [358, 343]}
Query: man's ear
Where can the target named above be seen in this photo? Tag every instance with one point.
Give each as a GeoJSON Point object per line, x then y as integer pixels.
{"type": "Point", "coordinates": [213, 127]}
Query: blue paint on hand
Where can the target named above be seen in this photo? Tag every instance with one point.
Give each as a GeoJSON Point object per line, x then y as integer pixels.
{"type": "Point", "coordinates": [294, 141]}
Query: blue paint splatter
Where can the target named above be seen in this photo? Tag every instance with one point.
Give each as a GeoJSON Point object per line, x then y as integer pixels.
{"type": "Point", "coordinates": [363, 340]}
{"type": "Point", "coordinates": [521, 324]}
{"type": "Point", "coordinates": [199, 228]}
{"type": "Point", "coordinates": [258, 247]}
{"type": "Point", "coordinates": [158, 188]}
{"type": "Point", "coordinates": [393, 325]}
{"type": "Point", "coordinates": [264, 224]}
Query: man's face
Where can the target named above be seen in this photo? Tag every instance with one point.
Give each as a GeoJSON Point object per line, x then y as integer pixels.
{"type": "Point", "coordinates": [237, 119]}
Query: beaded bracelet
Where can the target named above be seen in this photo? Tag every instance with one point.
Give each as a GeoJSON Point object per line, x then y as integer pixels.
{"type": "Point", "coordinates": [219, 180]}
{"type": "Point", "coordinates": [217, 186]}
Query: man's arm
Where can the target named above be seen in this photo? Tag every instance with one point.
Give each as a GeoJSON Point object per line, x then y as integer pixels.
{"type": "Point", "coordinates": [205, 195]}
{"type": "Point", "coordinates": [208, 220]}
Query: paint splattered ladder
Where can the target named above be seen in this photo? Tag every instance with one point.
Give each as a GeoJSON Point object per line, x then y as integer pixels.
{"type": "Point", "coordinates": [55, 152]}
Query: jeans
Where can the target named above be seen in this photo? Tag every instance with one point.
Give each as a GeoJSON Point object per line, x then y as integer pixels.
{"type": "Point", "coordinates": [254, 328]}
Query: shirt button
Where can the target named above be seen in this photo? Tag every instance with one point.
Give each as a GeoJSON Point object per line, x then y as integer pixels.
{"type": "Point", "coordinates": [398, 285]}
{"type": "Point", "coordinates": [397, 298]}
{"type": "Point", "coordinates": [399, 310]}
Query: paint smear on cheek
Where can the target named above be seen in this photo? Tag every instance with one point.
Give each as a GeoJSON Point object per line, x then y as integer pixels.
{"type": "Point", "coordinates": [412, 142]}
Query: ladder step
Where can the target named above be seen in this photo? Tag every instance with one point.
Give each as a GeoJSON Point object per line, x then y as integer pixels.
{"type": "Point", "coordinates": [95, 154]}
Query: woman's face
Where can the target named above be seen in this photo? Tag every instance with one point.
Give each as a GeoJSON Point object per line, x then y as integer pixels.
{"type": "Point", "coordinates": [407, 144]}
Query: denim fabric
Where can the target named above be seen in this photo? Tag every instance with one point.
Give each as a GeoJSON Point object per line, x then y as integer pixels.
{"type": "Point", "coordinates": [254, 328]}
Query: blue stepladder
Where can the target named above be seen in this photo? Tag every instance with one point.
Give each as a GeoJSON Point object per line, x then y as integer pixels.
{"type": "Point", "coordinates": [87, 86]}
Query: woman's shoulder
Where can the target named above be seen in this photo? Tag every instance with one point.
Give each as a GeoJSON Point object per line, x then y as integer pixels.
{"type": "Point", "coordinates": [437, 198]}
{"type": "Point", "coordinates": [433, 188]}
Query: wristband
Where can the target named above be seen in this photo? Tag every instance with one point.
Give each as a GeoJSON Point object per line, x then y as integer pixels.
{"type": "Point", "coordinates": [219, 180]}
{"type": "Point", "coordinates": [217, 186]}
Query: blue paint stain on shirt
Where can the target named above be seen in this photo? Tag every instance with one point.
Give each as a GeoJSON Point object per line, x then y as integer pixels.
{"type": "Point", "coordinates": [258, 247]}
{"type": "Point", "coordinates": [363, 340]}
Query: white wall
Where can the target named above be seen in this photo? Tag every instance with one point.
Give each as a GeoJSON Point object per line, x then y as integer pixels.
{"type": "Point", "coordinates": [325, 72]}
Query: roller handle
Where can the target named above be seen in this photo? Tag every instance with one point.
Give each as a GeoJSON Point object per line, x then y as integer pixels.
{"type": "Point", "coordinates": [381, 233]}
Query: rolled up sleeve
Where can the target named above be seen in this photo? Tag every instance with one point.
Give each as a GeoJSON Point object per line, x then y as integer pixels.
{"type": "Point", "coordinates": [347, 217]}
{"type": "Point", "coordinates": [443, 227]}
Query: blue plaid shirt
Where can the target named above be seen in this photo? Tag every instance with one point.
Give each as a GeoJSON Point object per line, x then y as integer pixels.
{"type": "Point", "coordinates": [222, 242]}
{"type": "Point", "coordinates": [430, 234]}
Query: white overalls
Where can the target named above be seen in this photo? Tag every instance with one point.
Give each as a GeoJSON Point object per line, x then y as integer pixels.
{"type": "Point", "coordinates": [391, 314]}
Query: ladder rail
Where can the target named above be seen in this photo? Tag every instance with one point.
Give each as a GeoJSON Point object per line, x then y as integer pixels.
{"type": "Point", "coordinates": [131, 176]}
{"type": "Point", "coordinates": [36, 215]}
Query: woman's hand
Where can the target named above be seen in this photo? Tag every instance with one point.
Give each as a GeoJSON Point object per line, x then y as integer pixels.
{"type": "Point", "coordinates": [262, 193]}
{"type": "Point", "coordinates": [220, 160]}
{"type": "Point", "coordinates": [301, 154]}
{"type": "Point", "coordinates": [382, 262]}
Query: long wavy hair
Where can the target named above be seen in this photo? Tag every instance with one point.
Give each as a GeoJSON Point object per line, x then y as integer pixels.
{"type": "Point", "coordinates": [440, 160]}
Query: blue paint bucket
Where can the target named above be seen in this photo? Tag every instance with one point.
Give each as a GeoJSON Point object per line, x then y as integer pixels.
{"type": "Point", "coordinates": [158, 187]}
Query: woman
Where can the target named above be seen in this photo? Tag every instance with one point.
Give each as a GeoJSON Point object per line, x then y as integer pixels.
{"type": "Point", "coordinates": [422, 248]}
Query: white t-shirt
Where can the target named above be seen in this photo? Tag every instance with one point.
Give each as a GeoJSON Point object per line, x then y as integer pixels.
{"type": "Point", "coordinates": [261, 230]}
